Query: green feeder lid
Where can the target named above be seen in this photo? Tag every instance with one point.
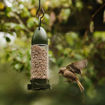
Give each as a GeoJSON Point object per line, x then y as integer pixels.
{"type": "Point", "coordinates": [40, 36]}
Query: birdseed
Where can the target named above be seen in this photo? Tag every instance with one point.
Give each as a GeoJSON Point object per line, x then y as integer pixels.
{"type": "Point", "coordinates": [39, 62]}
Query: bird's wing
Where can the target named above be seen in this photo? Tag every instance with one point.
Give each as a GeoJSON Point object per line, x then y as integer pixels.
{"type": "Point", "coordinates": [69, 75]}
{"type": "Point", "coordinates": [78, 65]}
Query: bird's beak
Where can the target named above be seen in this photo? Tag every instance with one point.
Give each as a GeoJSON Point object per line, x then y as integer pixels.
{"type": "Point", "coordinates": [60, 72]}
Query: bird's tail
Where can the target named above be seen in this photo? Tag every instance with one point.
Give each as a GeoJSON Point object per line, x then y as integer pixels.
{"type": "Point", "coordinates": [80, 85]}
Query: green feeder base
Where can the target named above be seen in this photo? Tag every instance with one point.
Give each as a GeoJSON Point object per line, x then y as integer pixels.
{"type": "Point", "coordinates": [38, 84]}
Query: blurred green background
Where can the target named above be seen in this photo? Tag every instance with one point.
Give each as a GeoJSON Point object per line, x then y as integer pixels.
{"type": "Point", "coordinates": [76, 30]}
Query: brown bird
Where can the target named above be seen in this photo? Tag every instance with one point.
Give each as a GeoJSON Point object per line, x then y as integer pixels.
{"type": "Point", "coordinates": [72, 69]}
{"type": "Point", "coordinates": [76, 67]}
{"type": "Point", "coordinates": [71, 77]}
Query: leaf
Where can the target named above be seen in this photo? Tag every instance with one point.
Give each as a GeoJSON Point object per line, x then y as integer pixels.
{"type": "Point", "coordinates": [33, 11]}
{"type": "Point", "coordinates": [100, 1]}
{"type": "Point", "coordinates": [71, 37]}
{"type": "Point", "coordinates": [91, 26]}
{"type": "Point", "coordinates": [25, 13]}
{"type": "Point", "coordinates": [64, 14]}
{"type": "Point", "coordinates": [31, 22]}
{"type": "Point", "coordinates": [79, 5]}
{"type": "Point", "coordinates": [17, 66]}
{"type": "Point", "coordinates": [14, 26]}
{"type": "Point", "coordinates": [104, 17]}
{"type": "Point", "coordinates": [1, 6]}
{"type": "Point", "coordinates": [47, 4]}
{"type": "Point", "coordinates": [46, 18]}
{"type": "Point", "coordinates": [8, 11]}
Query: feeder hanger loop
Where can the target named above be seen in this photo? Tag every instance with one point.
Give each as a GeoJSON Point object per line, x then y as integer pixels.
{"type": "Point", "coordinates": [40, 14]}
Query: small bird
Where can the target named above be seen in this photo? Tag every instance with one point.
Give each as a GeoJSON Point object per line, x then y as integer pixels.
{"type": "Point", "coordinates": [71, 70]}
{"type": "Point", "coordinates": [71, 77]}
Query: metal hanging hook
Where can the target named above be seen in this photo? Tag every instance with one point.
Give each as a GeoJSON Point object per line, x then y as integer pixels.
{"type": "Point", "coordinates": [40, 13]}
{"type": "Point", "coordinates": [39, 22]}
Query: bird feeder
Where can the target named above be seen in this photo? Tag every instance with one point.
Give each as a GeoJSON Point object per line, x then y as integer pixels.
{"type": "Point", "coordinates": [39, 59]}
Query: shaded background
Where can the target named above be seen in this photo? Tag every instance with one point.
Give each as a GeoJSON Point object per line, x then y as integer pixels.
{"type": "Point", "coordinates": [76, 30]}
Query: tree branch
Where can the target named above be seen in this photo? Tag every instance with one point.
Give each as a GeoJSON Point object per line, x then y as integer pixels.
{"type": "Point", "coordinates": [92, 18]}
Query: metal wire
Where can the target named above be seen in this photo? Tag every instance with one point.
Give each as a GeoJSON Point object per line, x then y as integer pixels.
{"type": "Point", "coordinates": [40, 13]}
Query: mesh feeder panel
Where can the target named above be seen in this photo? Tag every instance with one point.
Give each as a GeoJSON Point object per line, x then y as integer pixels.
{"type": "Point", "coordinates": [39, 61]}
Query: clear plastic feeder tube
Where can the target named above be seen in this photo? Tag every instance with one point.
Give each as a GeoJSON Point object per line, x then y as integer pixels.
{"type": "Point", "coordinates": [39, 61]}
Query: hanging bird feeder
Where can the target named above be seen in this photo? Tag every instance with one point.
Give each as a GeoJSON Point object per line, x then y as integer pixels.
{"type": "Point", "coordinates": [39, 57]}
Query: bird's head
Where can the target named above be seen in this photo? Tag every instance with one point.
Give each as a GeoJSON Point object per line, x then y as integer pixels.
{"type": "Point", "coordinates": [61, 71]}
